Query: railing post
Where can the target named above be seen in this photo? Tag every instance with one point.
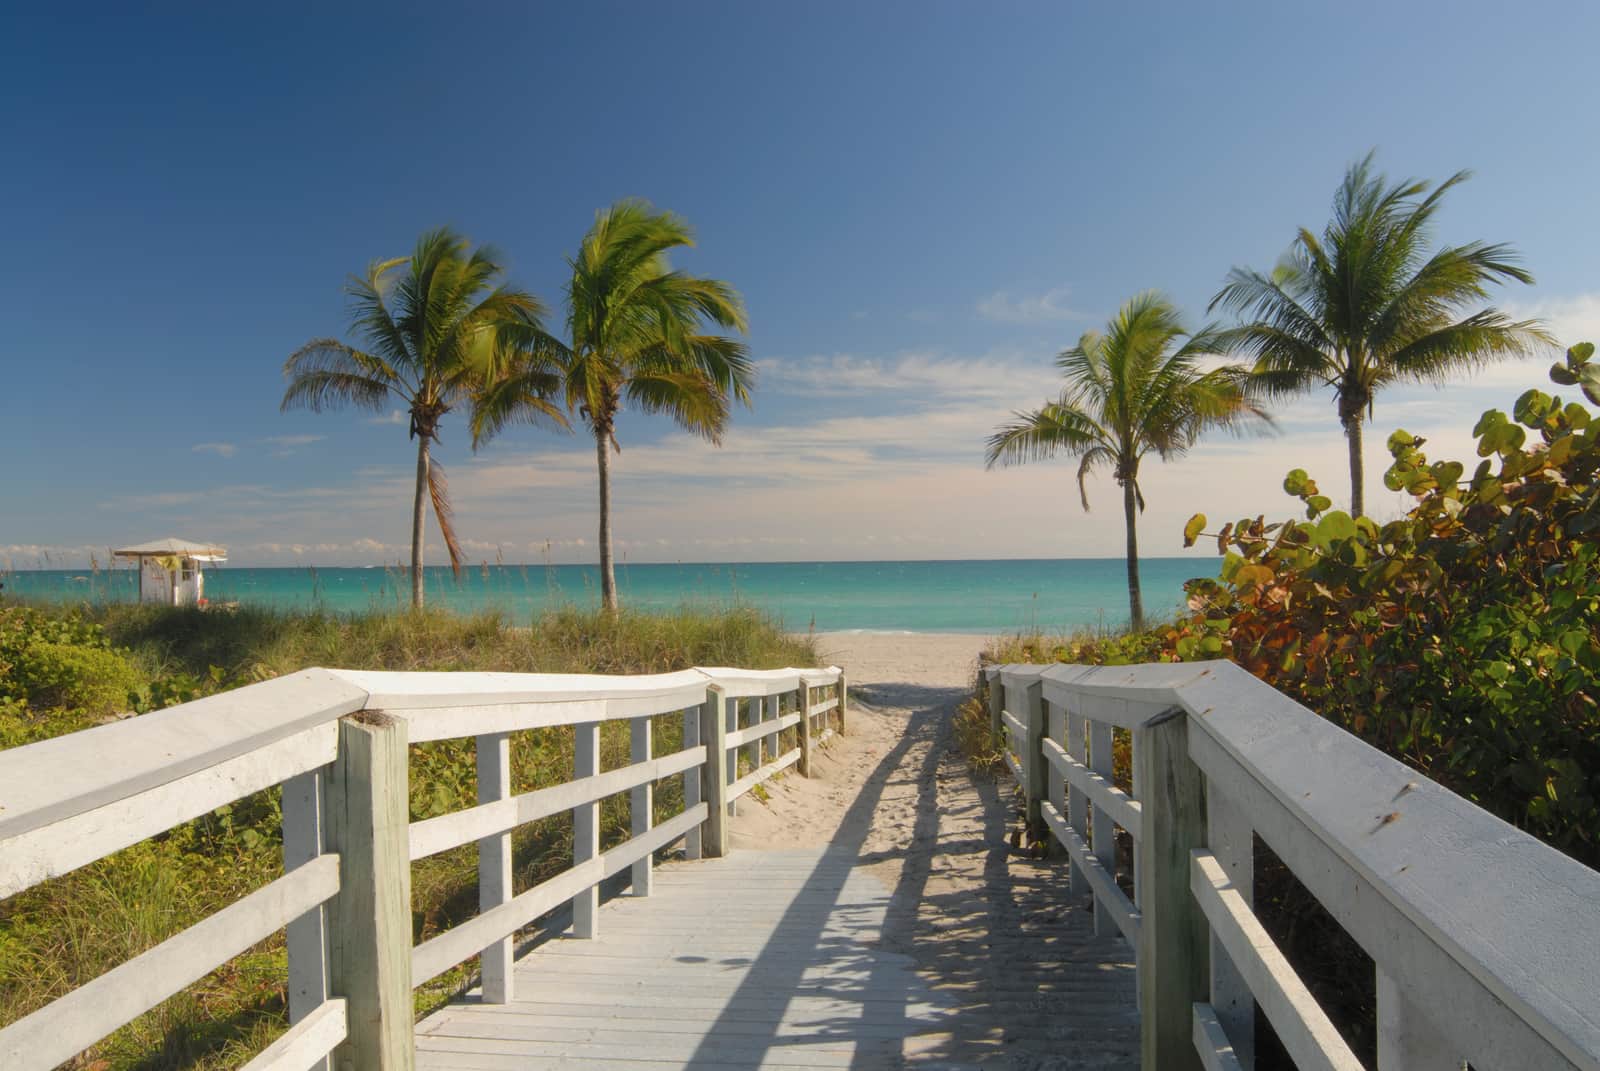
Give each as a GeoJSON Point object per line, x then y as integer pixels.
{"type": "Point", "coordinates": [714, 780]}
{"type": "Point", "coordinates": [1232, 840]}
{"type": "Point", "coordinates": [1032, 756]}
{"type": "Point", "coordinates": [586, 828]}
{"type": "Point", "coordinates": [307, 936]}
{"type": "Point", "coordinates": [691, 781]}
{"type": "Point", "coordinates": [1102, 762]}
{"type": "Point", "coordinates": [804, 696]}
{"type": "Point", "coordinates": [1407, 1040]}
{"type": "Point", "coordinates": [494, 863]}
{"type": "Point", "coordinates": [1055, 784]}
{"type": "Point", "coordinates": [844, 700]}
{"type": "Point", "coordinates": [370, 960]}
{"type": "Point", "coordinates": [758, 714]}
{"type": "Point", "coordinates": [1174, 937]}
{"type": "Point", "coordinates": [641, 803]}
{"type": "Point", "coordinates": [1077, 799]}
{"type": "Point", "coordinates": [997, 698]}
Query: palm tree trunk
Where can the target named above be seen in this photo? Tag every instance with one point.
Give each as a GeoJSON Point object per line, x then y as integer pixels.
{"type": "Point", "coordinates": [1130, 515]}
{"type": "Point", "coordinates": [419, 518]}
{"type": "Point", "coordinates": [608, 576]}
{"type": "Point", "coordinates": [1352, 434]}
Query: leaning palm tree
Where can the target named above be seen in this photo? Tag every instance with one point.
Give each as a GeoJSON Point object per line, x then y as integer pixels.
{"type": "Point", "coordinates": [635, 338]}
{"type": "Point", "coordinates": [438, 330]}
{"type": "Point", "coordinates": [1366, 305]}
{"type": "Point", "coordinates": [1129, 392]}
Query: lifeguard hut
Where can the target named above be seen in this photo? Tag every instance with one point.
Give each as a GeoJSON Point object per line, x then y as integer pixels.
{"type": "Point", "coordinates": [170, 570]}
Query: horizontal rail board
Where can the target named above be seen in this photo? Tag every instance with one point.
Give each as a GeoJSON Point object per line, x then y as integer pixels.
{"type": "Point", "coordinates": [1012, 764]}
{"type": "Point", "coordinates": [67, 1026]}
{"type": "Point", "coordinates": [57, 779]}
{"type": "Point", "coordinates": [1123, 808]}
{"type": "Point", "coordinates": [636, 848]}
{"type": "Point", "coordinates": [761, 730]}
{"type": "Point", "coordinates": [1299, 1021]}
{"type": "Point", "coordinates": [400, 692]}
{"type": "Point", "coordinates": [1211, 1041]}
{"type": "Point", "coordinates": [1101, 880]}
{"type": "Point", "coordinates": [1470, 915]}
{"type": "Point", "coordinates": [71, 842]}
{"type": "Point", "coordinates": [823, 707]}
{"type": "Point", "coordinates": [747, 683]}
{"type": "Point", "coordinates": [307, 1041]}
{"type": "Point", "coordinates": [434, 835]}
{"type": "Point", "coordinates": [438, 954]}
{"type": "Point", "coordinates": [755, 777]}
{"type": "Point", "coordinates": [1019, 731]}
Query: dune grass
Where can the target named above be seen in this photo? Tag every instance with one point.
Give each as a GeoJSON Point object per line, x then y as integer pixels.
{"type": "Point", "coordinates": [67, 931]}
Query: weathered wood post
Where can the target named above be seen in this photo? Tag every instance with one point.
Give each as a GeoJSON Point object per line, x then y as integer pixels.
{"type": "Point", "coordinates": [1077, 800]}
{"type": "Point", "coordinates": [1102, 762]}
{"type": "Point", "coordinates": [1232, 840]}
{"type": "Point", "coordinates": [804, 697]}
{"type": "Point", "coordinates": [997, 698]}
{"type": "Point", "coordinates": [306, 937]}
{"type": "Point", "coordinates": [714, 777]}
{"type": "Point", "coordinates": [1033, 764]}
{"type": "Point", "coordinates": [641, 803]}
{"type": "Point", "coordinates": [844, 700]}
{"type": "Point", "coordinates": [1407, 1039]}
{"type": "Point", "coordinates": [691, 780]}
{"type": "Point", "coordinates": [370, 947]}
{"type": "Point", "coordinates": [586, 828]}
{"type": "Point", "coordinates": [1174, 937]}
{"type": "Point", "coordinates": [494, 863]}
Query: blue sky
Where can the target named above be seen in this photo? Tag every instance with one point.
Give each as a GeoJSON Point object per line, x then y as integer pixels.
{"type": "Point", "coordinates": [922, 204]}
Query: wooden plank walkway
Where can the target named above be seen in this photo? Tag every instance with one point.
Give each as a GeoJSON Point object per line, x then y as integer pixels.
{"type": "Point", "coordinates": [761, 960]}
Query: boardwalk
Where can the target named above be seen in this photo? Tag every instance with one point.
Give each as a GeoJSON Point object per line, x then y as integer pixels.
{"type": "Point", "coordinates": [916, 937]}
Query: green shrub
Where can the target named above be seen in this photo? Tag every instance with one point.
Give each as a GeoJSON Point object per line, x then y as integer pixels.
{"type": "Point", "coordinates": [1460, 638]}
{"type": "Point", "coordinates": [62, 662]}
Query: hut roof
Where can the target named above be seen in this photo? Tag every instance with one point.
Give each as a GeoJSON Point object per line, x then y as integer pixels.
{"type": "Point", "coordinates": [174, 547]}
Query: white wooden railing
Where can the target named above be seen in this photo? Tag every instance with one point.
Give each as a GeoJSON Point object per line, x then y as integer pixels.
{"type": "Point", "coordinates": [1486, 942]}
{"type": "Point", "coordinates": [336, 742]}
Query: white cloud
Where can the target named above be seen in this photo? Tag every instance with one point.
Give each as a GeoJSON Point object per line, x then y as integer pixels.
{"type": "Point", "coordinates": [393, 416]}
{"type": "Point", "coordinates": [220, 449]}
{"type": "Point", "coordinates": [1013, 377]}
{"type": "Point", "coordinates": [1048, 307]}
{"type": "Point", "coordinates": [288, 441]}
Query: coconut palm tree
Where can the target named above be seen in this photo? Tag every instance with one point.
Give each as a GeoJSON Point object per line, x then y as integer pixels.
{"type": "Point", "coordinates": [635, 330]}
{"type": "Point", "coordinates": [1130, 390]}
{"type": "Point", "coordinates": [438, 329]}
{"type": "Point", "coordinates": [1366, 305]}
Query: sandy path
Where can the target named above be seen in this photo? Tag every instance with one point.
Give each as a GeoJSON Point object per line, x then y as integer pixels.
{"type": "Point", "coordinates": [982, 922]}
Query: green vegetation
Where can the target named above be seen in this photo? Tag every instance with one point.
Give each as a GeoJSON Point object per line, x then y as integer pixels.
{"type": "Point", "coordinates": [1368, 305]}
{"type": "Point", "coordinates": [437, 336]}
{"type": "Point", "coordinates": [61, 670]}
{"type": "Point", "coordinates": [635, 326]}
{"type": "Point", "coordinates": [1459, 637]}
{"type": "Point", "coordinates": [1128, 392]}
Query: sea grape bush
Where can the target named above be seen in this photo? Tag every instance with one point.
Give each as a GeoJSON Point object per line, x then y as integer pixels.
{"type": "Point", "coordinates": [1461, 637]}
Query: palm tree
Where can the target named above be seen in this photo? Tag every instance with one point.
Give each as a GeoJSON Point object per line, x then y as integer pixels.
{"type": "Point", "coordinates": [436, 334]}
{"type": "Point", "coordinates": [1128, 392]}
{"type": "Point", "coordinates": [635, 329]}
{"type": "Point", "coordinates": [1366, 305]}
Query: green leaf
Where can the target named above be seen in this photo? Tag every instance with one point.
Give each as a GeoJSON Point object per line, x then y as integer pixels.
{"type": "Point", "coordinates": [1295, 482]}
{"type": "Point", "coordinates": [1192, 530]}
{"type": "Point", "coordinates": [1336, 526]}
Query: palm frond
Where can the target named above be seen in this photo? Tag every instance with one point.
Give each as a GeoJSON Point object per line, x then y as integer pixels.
{"type": "Point", "coordinates": [445, 514]}
{"type": "Point", "coordinates": [1052, 429]}
{"type": "Point", "coordinates": [690, 398]}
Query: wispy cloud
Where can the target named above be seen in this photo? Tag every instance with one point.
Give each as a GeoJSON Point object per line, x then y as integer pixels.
{"type": "Point", "coordinates": [220, 449]}
{"type": "Point", "coordinates": [1048, 307]}
{"type": "Point", "coordinates": [1015, 378]}
{"type": "Point", "coordinates": [290, 441]}
{"type": "Point", "coordinates": [393, 416]}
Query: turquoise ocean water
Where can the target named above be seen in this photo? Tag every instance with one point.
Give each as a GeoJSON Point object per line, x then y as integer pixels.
{"type": "Point", "coordinates": [941, 596]}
